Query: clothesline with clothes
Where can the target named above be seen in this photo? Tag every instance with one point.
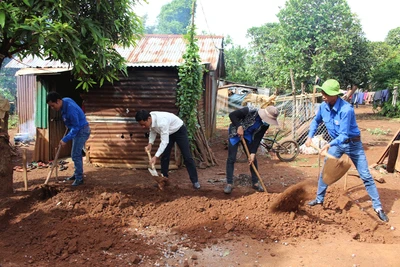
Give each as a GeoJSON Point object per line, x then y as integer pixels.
{"type": "Point", "coordinates": [378, 97]}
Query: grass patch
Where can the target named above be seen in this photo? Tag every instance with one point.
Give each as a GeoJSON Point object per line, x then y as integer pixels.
{"type": "Point", "coordinates": [378, 131]}
{"type": "Point", "coordinates": [223, 121]}
{"type": "Point", "coordinates": [298, 161]}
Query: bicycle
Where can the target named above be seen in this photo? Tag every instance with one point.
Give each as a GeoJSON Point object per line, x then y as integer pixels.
{"type": "Point", "coordinates": [285, 151]}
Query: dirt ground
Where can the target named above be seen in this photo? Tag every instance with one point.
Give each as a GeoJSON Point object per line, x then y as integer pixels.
{"type": "Point", "coordinates": [118, 217]}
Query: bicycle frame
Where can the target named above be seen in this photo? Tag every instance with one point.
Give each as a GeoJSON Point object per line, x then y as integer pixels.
{"type": "Point", "coordinates": [270, 142]}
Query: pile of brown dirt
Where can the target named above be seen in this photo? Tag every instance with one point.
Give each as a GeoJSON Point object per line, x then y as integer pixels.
{"type": "Point", "coordinates": [294, 196]}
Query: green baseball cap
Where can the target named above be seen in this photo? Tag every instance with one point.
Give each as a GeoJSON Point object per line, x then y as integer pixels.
{"type": "Point", "coordinates": [331, 87]}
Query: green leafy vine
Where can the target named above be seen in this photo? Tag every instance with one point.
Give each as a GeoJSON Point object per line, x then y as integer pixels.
{"type": "Point", "coordinates": [190, 88]}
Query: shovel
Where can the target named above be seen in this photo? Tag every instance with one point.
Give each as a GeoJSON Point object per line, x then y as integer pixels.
{"type": "Point", "coordinates": [54, 165]}
{"type": "Point", "coordinates": [161, 181]}
{"type": "Point", "coordinates": [252, 164]}
{"type": "Point", "coordinates": [334, 168]}
{"type": "Point", "coordinates": [152, 170]}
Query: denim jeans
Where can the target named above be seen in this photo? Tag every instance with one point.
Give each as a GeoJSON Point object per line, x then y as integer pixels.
{"type": "Point", "coordinates": [182, 140]}
{"type": "Point", "coordinates": [230, 163]}
{"type": "Point", "coordinates": [356, 153]}
{"type": "Point", "coordinates": [78, 142]}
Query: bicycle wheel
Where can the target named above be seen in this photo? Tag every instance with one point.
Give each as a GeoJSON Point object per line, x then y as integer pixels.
{"type": "Point", "coordinates": [287, 151]}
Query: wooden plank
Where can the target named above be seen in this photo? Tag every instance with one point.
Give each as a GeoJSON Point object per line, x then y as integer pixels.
{"type": "Point", "coordinates": [386, 151]}
{"type": "Point", "coordinates": [392, 157]}
{"type": "Point", "coordinates": [397, 164]}
{"type": "Point", "coordinates": [25, 173]}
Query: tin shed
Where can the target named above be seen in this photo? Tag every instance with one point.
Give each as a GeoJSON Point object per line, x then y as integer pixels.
{"type": "Point", "coordinates": [116, 139]}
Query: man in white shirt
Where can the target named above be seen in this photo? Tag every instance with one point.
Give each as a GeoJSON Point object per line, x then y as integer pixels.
{"type": "Point", "coordinates": [171, 129]}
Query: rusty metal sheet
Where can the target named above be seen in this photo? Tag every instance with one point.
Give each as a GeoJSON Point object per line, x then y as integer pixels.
{"type": "Point", "coordinates": [116, 138]}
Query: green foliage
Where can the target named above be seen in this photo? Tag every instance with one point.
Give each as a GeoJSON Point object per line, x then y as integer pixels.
{"type": "Point", "coordinates": [190, 88]}
{"type": "Point", "coordinates": [265, 57]}
{"type": "Point", "coordinates": [388, 110]}
{"type": "Point", "coordinates": [378, 131]}
{"type": "Point", "coordinates": [386, 72]}
{"type": "Point", "coordinates": [12, 121]}
{"type": "Point", "coordinates": [312, 41]}
{"type": "Point", "coordinates": [393, 37]}
{"type": "Point", "coordinates": [8, 84]}
{"type": "Point", "coordinates": [174, 17]}
{"type": "Point", "coordinates": [236, 65]}
{"type": "Point", "coordinates": [82, 33]}
{"type": "Point", "coordinates": [309, 39]}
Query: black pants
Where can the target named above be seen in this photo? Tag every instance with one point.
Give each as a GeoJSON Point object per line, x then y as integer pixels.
{"type": "Point", "coordinates": [182, 140]}
{"type": "Point", "coordinates": [230, 163]}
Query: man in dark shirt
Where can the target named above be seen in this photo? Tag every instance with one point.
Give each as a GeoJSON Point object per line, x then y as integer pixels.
{"type": "Point", "coordinates": [251, 124]}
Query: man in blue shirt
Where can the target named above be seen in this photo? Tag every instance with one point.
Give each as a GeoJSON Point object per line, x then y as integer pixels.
{"type": "Point", "coordinates": [79, 130]}
{"type": "Point", "coordinates": [340, 121]}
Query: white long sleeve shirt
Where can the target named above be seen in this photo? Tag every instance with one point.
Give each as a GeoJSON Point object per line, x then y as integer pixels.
{"type": "Point", "coordinates": [164, 124]}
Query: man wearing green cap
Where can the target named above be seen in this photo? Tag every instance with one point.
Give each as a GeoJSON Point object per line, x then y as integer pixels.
{"type": "Point", "coordinates": [340, 121]}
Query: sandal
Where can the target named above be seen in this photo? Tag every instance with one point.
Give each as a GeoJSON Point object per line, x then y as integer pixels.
{"type": "Point", "coordinates": [63, 168]}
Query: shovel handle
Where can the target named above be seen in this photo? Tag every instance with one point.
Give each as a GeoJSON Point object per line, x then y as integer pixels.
{"type": "Point", "coordinates": [324, 154]}
{"type": "Point", "coordinates": [149, 155]}
{"type": "Point", "coordinates": [54, 165]}
{"type": "Point", "coordinates": [252, 164]}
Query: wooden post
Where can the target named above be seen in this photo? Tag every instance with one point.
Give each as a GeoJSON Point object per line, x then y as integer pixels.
{"type": "Point", "coordinates": [314, 90]}
{"type": "Point", "coordinates": [294, 105]}
{"type": "Point", "coordinates": [283, 122]}
{"type": "Point", "coordinates": [56, 170]}
{"type": "Point", "coordinates": [347, 174]}
{"type": "Point", "coordinates": [25, 173]}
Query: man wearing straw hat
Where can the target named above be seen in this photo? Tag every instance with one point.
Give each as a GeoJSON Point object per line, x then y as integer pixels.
{"type": "Point", "coordinates": [251, 124]}
{"type": "Point", "coordinates": [340, 121]}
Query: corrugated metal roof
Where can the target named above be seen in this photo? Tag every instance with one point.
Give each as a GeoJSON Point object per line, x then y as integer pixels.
{"type": "Point", "coordinates": [167, 50]}
{"type": "Point", "coordinates": [41, 71]}
{"type": "Point", "coordinates": [35, 62]}
{"type": "Point", "coordinates": [153, 50]}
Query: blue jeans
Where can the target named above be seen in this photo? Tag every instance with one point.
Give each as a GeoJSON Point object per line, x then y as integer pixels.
{"type": "Point", "coordinates": [356, 153]}
{"type": "Point", "coordinates": [76, 153]}
{"type": "Point", "coordinates": [230, 163]}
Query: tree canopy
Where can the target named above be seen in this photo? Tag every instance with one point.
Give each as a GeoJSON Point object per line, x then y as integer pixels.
{"type": "Point", "coordinates": [81, 32]}
{"type": "Point", "coordinates": [393, 37]}
{"type": "Point", "coordinates": [174, 17]}
{"type": "Point", "coordinates": [322, 38]}
{"type": "Point", "coordinates": [314, 38]}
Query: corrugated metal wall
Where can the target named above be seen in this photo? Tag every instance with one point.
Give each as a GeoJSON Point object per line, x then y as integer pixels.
{"type": "Point", "coordinates": [26, 99]}
{"type": "Point", "coordinates": [116, 139]}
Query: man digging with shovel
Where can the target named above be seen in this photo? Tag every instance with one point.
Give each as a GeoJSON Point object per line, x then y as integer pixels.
{"type": "Point", "coordinates": [171, 129]}
{"type": "Point", "coordinates": [248, 126]}
{"type": "Point", "coordinates": [75, 120]}
{"type": "Point", "coordinates": [340, 121]}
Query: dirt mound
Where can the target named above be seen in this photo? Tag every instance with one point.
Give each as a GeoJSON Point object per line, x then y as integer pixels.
{"type": "Point", "coordinates": [294, 196]}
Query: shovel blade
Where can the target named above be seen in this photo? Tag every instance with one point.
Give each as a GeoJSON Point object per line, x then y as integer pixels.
{"type": "Point", "coordinates": [153, 172]}
{"type": "Point", "coordinates": [334, 169]}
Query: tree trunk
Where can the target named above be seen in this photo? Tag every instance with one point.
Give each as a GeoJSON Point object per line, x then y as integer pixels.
{"type": "Point", "coordinates": [6, 170]}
